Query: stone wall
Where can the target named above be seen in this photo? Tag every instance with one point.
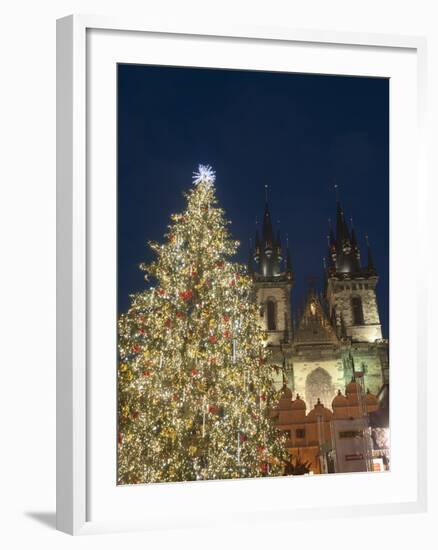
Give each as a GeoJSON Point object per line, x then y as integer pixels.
{"type": "Point", "coordinates": [340, 294]}
{"type": "Point", "coordinates": [280, 295]}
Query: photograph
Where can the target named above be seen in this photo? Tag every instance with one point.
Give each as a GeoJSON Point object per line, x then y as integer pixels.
{"type": "Point", "coordinates": [252, 274]}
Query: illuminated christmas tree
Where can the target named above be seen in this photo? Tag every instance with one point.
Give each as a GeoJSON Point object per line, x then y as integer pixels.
{"type": "Point", "coordinates": [194, 387]}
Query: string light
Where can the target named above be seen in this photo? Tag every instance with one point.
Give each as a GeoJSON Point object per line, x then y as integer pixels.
{"type": "Point", "coordinates": [194, 386]}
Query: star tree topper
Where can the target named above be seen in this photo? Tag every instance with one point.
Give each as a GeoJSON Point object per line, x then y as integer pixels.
{"type": "Point", "coordinates": [205, 174]}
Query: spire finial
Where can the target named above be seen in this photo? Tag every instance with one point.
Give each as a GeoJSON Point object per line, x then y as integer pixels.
{"type": "Point", "coordinates": [351, 222]}
{"type": "Point", "coordinates": [370, 254]}
{"type": "Point", "coordinates": [336, 188]}
{"type": "Point", "coordinates": [266, 192]}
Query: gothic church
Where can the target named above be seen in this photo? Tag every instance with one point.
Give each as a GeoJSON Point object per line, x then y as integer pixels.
{"type": "Point", "coordinates": [338, 335]}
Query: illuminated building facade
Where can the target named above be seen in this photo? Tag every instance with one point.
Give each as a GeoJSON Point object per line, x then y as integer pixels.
{"type": "Point", "coordinates": [335, 340]}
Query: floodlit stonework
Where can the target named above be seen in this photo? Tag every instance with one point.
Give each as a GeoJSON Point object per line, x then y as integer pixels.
{"type": "Point", "coordinates": [336, 338]}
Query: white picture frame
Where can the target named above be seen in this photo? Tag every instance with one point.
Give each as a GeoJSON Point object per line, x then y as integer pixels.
{"type": "Point", "coordinates": [75, 218]}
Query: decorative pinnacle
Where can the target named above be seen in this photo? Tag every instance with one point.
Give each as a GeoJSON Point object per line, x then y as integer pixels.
{"type": "Point", "coordinates": [266, 192]}
{"type": "Point", "coordinates": [367, 240]}
{"type": "Point", "coordinates": [336, 188]}
{"type": "Point", "coordinates": [205, 174]}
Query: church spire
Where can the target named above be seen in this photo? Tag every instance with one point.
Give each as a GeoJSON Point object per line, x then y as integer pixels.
{"type": "Point", "coordinates": [268, 252]}
{"type": "Point", "coordinates": [288, 258]}
{"type": "Point", "coordinates": [268, 240]}
{"type": "Point", "coordinates": [370, 265]}
{"type": "Point", "coordinates": [355, 247]}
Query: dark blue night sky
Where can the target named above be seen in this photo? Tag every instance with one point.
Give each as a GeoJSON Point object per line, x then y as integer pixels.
{"type": "Point", "coordinates": [297, 133]}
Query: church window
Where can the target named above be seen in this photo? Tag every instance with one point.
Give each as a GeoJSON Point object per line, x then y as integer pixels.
{"type": "Point", "coordinates": [357, 310]}
{"type": "Point", "coordinates": [270, 307]}
{"type": "Point", "coordinates": [300, 433]}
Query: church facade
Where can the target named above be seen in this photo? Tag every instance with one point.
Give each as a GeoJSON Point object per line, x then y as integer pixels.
{"type": "Point", "coordinates": [338, 335]}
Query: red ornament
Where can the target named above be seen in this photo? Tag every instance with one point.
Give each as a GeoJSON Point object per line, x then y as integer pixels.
{"type": "Point", "coordinates": [264, 467]}
{"type": "Point", "coordinates": [212, 339]}
{"type": "Point", "coordinates": [194, 372]}
{"type": "Point", "coordinates": [146, 373]}
{"type": "Point", "coordinates": [135, 348]}
{"type": "Point", "coordinates": [186, 295]}
{"type": "Point", "coordinates": [233, 282]}
{"type": "Point", "coordinates": [227, 334]}
{"type": "Point", "coordinates": [226, 318]}
{"type": "Point", "coordinates": [135, 415]}
{"type": "Point", "coordinates": [141, 330]}
{"type": "Point", "coordinates": [194, 273]}
{"type": "Point", "coordinates": [242, 438]}
{"type": "Point", "coordinates": [179, 314]}
{"type": "Point", "coordinates": [168, 323]}
{"type": "Point", "coordinates": [261, 449]}
{"type": "Point", "coordinates": [161, 292]}
{"type": "Point", "coordinates": [220, 264]}
{"type": "Point", "coordinates": [213, 409]}
{"type": "Point", "coordinates": [263, 397]}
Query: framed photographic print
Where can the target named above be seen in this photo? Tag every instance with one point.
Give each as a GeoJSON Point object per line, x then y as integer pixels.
{"type": "Point", "coordinates": [236, 320]}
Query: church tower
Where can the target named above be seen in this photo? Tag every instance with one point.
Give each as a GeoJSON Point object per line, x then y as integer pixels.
{"type": "Point", "coordinates": [351, 286]}
{"type": "Point", "coordinates": [273, 279]}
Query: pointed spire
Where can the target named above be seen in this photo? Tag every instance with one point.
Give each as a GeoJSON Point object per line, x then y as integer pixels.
{"type": "Point", "coordinates": [355, 247]}
{"type": "Point", "coordinates": [267, 229]}
{"type": "Point", "coordinates": [340, 225]}
{"type": "Point", "coordinates": [370, 265]}
{"type": "Point", "coordinates": [331, 235]}
{"type": "Point", "coordinates": [353, 234]}
{"type": "Point", "coordinates": [257, 250]}
{"type": "Point", "coordinates": [288, 258]}
{"type": "Point", "coordinates": [342, 232]}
